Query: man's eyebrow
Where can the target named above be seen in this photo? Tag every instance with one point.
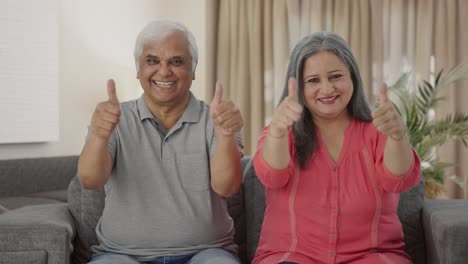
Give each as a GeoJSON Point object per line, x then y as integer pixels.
{"type": "Point", "coordinates": [151, 56]}
{"type": "Point", "coordinates": [179, 57]}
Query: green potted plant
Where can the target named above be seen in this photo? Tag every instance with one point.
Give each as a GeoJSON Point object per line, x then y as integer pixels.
{"type": "Point", "coordinates": [417, 106]}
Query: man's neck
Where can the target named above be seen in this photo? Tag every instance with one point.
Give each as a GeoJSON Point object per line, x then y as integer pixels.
{"type": "Point", "coordinates": [169, 114]}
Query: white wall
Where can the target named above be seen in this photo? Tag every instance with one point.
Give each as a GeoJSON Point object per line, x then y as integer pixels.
{"type": "Point", "coordinates": [96, 43]}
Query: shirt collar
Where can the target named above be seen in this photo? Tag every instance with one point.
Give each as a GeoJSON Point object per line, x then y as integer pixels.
{"type": "Point", "coordinates": [191, 114]}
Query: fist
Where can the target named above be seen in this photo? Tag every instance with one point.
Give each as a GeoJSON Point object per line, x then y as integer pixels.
{"type": "Point", "coordinates": [227, 118]}
{"type": "Point", "coordinates": [287, 113]}
{"type": "Point", "coordinates": [386, 119]}
{"type": "Point", "coordinates": [107, 114]}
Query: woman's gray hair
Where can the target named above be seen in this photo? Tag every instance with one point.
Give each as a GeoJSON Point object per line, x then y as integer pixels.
{"type": "Point", "coordinates": [306, 141]}
{"type": "Point", "coordinates": [158, 30]}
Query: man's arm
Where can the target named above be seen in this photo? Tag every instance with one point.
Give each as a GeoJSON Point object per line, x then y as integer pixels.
{"type": "Point", "coordinates": [226, 172]}
{"type": "Point", "coordinates": [95, 162]}
{"type": "Point", "coordinates": [225, 167]}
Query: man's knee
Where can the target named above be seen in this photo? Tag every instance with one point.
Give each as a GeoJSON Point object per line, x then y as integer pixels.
{"type": "Point", "coordinates": [110, 258]}
{"type": "Point", "coordinates": [214, 256]}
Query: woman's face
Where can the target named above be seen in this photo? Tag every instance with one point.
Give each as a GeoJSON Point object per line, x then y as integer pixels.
{"type": "Point", "coordinates": [328, 86]}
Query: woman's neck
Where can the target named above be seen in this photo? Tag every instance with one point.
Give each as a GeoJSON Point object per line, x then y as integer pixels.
{"type": "Point", "coordinates": [336, 124]}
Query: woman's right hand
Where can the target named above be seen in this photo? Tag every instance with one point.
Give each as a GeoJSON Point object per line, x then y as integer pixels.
{"type": "Point", "coordinates": [287, 113]}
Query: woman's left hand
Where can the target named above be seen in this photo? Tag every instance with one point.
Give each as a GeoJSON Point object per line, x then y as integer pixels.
{"type": "Point", "coordinates": [386, 119]}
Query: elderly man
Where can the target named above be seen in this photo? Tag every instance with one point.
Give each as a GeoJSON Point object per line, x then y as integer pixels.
{"type": "Point", "coordinates": [166, 160]}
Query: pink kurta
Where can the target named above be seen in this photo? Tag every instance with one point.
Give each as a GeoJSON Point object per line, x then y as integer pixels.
{"type": "Point", "coordinates": [334, 212]}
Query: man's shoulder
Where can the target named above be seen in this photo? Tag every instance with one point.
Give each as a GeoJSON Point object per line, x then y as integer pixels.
{"type": "Point", "coordinates": [129, 105]}
{"type": "Point", "coordinates": [195, 101]}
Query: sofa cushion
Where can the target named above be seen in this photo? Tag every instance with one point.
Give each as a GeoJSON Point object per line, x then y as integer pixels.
{"type": "Point", "coordinates": [86, 207]}
{"type": "Point", "coordinates": [24, 257]}
{"type": "Point", "coordinates": [254, 203]}
{"type": "Point", "coordinates": [47, 227]}
{"type": "Point", "coordinates": [447, 236]}
{"type": "Point", "coordinates": [410, 214]}
{"type": "Point", "coordinates": [59, 195]}
{"type": "Point", "coordinates": [2, 209]}
{"type": "Point", "coordinates": [14, 202]}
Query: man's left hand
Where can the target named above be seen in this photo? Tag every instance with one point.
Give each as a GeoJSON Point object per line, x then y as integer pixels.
{"type": "Point", "coordinates": [226, 117]}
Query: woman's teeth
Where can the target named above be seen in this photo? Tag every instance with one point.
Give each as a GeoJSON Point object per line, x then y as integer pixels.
{"type": "Point", "coordinates": [328, 99]}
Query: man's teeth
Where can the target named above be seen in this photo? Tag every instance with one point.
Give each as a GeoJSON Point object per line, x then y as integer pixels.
{"type": "Point", "coordinates": [163, 84]}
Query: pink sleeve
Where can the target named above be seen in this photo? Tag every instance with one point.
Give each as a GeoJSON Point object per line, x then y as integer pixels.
{"type": "Point", "coordinates": [389, 181]}
{"type": "Point", "coordinates": [270, 177]}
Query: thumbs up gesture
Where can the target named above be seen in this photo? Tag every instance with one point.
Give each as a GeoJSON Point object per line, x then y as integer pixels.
{"type": "Point", "coordinates": [106, 116]}
{"type": "Point", "coordinates": [287, 113]}
{"type": "Point", "coordinates": [386, 119]}
{"type": "Point", "coordinates": [226, 117]}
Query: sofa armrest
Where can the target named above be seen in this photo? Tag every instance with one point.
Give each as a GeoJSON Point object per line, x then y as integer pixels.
{"type": "Point", "coordinates": [446, 230]}
{"type": "Point", "coordinates": [34, 233]}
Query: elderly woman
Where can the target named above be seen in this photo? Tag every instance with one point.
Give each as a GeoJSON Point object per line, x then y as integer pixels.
{"type": "Point", "coordinates": [332, 169]}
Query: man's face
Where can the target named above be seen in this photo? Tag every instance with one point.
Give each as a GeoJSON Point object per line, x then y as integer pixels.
{"type": "Point", "coordinates": [165, 71]}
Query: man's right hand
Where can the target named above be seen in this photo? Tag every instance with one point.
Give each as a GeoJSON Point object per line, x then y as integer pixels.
{"type": "Point", "coordinates": [287, 113]}
{"type": "Point", "coordinates": [107, 114]}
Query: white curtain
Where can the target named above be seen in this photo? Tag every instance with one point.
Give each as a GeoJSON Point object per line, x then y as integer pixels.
{"type": "Point", "coordinates": [388, 37]}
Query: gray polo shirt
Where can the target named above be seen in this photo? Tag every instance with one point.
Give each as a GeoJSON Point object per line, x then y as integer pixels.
{"type": "Point", "coordinates": [159, 200]}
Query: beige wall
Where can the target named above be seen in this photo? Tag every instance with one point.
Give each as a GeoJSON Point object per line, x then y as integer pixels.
{"type": "Point", "coordinates": [96, 43]}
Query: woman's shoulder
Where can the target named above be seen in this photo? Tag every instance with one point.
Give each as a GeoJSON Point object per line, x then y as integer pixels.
{"type": "Point", "coordinates": [363, 127]}
{"type": "Point", "coordinates": [363, 131]}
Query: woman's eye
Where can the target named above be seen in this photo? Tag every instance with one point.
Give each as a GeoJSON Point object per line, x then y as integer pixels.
{"type": "Point", "coordinates": [335, 76]}
{"type": "Point", "coordinates": [314, 80]}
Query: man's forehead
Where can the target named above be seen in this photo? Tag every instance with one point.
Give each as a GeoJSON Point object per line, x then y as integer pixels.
{"type": "Point", "coordinates": [158, 48]}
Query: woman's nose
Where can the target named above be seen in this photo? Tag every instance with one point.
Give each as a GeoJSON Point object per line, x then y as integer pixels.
{"type": "Point", "coordinates": [327, 87]}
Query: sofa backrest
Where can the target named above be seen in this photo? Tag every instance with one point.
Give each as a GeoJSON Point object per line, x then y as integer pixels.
{"type": "Point", "coordinates": [33, 175]}
{"type": "Point", "coordinates": [246, 208]}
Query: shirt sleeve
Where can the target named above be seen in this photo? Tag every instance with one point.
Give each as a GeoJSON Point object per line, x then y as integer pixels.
{"type": "Point", "coordinates": [270, 177]}
{"type": "Point", "coordinates": [111, 143]}
{"type": "Point", "coordinates": [389, 181]}
{"type": "Point", "coordinates": [237, 138]}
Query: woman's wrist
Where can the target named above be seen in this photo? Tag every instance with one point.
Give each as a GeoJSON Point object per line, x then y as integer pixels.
{"type": "Point", "coordinates": [276, 135]}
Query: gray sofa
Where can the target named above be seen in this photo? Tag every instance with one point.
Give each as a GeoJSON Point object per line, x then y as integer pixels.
{"type": "Point", "coordinates": [436, 231]}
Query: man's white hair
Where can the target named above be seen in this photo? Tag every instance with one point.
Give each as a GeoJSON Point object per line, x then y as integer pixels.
{"type": "Point", "coordinates": [158, 30]}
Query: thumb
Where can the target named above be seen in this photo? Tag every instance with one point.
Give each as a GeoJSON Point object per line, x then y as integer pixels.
{"type": "Point", "coordinates": [383, 93]}
{"type": "Point", "coordinates": [292, 88]}
{"type": "Point", "coordinates": [111, 92]}
{"type": "Point", "coordinates": [218, 96]}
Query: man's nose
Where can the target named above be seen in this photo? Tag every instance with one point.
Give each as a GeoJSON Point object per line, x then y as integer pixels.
{"type": "Point", "coordinates": [164, 70]}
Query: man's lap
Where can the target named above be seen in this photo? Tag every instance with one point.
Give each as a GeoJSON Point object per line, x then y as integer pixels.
{"type": "Point", "coordinates": [214, 256]}
{"type": "Point", "coordinates": [207, 256]}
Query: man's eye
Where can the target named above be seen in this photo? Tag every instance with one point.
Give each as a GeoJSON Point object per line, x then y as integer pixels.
{"type": "Point", "coordinates": [152, 61]}
{"type": "Point", "coordinates": [177, 62]}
